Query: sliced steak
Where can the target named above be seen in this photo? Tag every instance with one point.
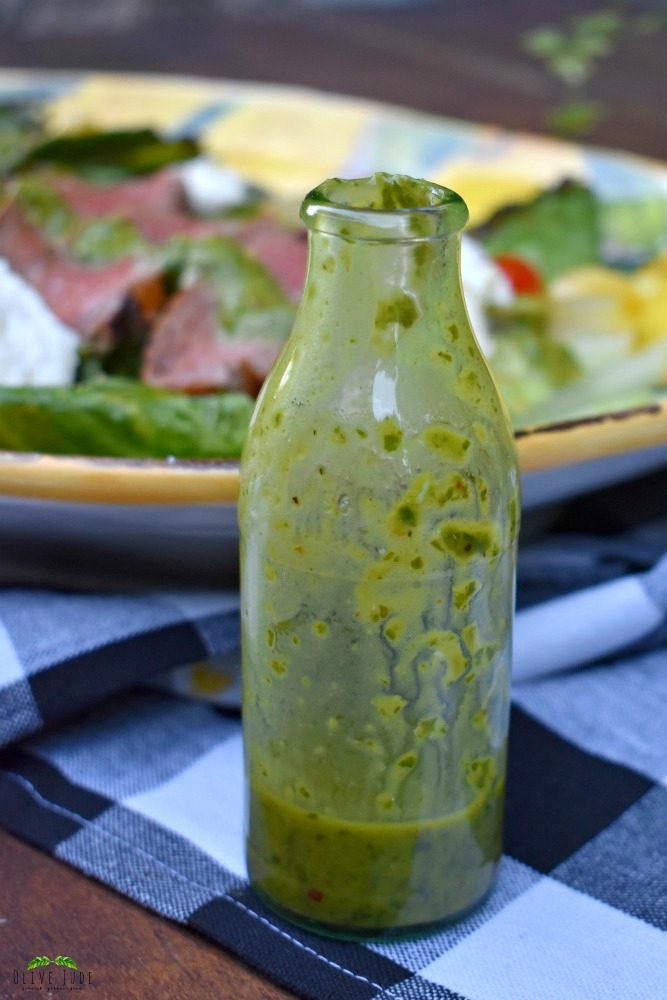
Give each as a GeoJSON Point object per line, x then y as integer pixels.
{"type": "Point", "coordinates": [282, 251]}
{"type": "Point", "coordinates": [156, 205]}
{"type": "Point", "coordinates": [101, 303]}
{"type": "Point", "coordinates": [158, 193]}
{"type": "Point", "coordinates": [188, 351]}
{"type": "Point", "coordinates": [159, 227]}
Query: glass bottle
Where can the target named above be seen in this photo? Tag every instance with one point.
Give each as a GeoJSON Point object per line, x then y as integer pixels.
{"type": "Point", "coordinates": [378, 512]}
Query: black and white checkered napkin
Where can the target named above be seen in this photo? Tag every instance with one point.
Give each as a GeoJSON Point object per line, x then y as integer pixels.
{"type": "Point", "coordinates": [142, 787]}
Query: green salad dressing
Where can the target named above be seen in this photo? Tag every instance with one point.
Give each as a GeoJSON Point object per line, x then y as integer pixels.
{"type": "Point", "coordinates": [378, 512]}
{"type": "Point", "coordinates": [373, 874]}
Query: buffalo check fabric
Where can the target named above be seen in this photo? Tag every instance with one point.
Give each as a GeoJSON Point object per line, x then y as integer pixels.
{"type": "Point", "coordinates": [62, 652]}
{"type": "Point", "coordinates": [109, 768]}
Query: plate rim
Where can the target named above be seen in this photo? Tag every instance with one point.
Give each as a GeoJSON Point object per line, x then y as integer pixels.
{"type": "Point", "coordinates": [119, 481]}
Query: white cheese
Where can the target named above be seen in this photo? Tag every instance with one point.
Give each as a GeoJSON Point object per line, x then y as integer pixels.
{"type": "Point", "coordinates": [484, 284]}
{"type": "Point", "coordinates": [35, 347]}
{"type": "Point", "coordinates": [210, 187]}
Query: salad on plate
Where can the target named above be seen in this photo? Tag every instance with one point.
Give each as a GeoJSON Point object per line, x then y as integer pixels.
{"type": "Point", "coordinates": [146, 289]}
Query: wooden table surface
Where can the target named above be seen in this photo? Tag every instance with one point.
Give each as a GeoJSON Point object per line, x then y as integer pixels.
{"type": "Point", "coordinates": [460, 58]}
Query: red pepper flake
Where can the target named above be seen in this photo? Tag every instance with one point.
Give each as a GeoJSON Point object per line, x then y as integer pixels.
{"type": "Point", "coordinates": [459, 485]}
{"type": "Point", "coordinates": [295, 500]}
{"type": "Point", "coordinates": [316, 895]}
{"type": "Point", "coordinates": [298, 548]}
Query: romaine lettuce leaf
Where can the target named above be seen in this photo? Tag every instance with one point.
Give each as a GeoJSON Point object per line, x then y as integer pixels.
{"type": "Point", "coordinates": [20, 129]}
{"type": "Point", "coordinates": [242, 286]}
{"type": "Point", "coordinates": [124, 418]}
{"type": "Point", "coordinates": [108, 155]}
{"type": "Point", "coordinates": [530, 367]}
{"type": "Point", "coordinates": [556, 232]}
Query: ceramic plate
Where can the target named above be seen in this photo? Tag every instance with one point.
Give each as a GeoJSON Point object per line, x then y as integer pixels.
{"type": "Point", "coordinates": [114, 522]}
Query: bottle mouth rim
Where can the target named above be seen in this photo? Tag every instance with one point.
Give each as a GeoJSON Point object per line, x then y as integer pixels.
{"type": "Point", "coordinates": [384, 207]}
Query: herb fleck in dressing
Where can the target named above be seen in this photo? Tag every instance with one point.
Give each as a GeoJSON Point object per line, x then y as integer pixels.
{"type": "Point", "coordinates": [378, 523]}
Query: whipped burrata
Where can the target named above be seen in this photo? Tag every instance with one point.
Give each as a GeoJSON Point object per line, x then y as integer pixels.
{"type": "Point", "coordinates": [35, 347]}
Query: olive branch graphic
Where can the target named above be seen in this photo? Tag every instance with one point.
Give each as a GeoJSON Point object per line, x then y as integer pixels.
{"type": "Point", "coordinates": [40, 960]}
{"type": "Point", "coordinates": [45, 960]}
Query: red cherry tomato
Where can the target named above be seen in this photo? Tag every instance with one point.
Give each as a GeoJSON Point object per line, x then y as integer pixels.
{"type": "Point", "coordinates": [524, 278]}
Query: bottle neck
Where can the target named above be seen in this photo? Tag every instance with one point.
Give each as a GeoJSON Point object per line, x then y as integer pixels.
{"type": "Point", "coordinates": [383, 255]}
{"type": "Point", "coordinates": [382, 289]}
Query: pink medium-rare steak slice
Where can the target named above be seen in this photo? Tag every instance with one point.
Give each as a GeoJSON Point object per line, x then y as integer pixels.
{"type": "Point", "coordinates": [156, 205]}
{"type": "Point", "coordinates": [282, 251]}
{"type": "Point", "coordinates": [158, 193]}
{"type": "Point", "coordinates": [159, 227]}
{"type": "Point", "coordinates": [100, 303]}
{"type": "Point", "coordinates": [189, 352]}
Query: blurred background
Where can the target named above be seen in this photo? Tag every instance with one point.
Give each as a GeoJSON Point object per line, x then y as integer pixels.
{"type": "Point", "coordinates": [593, 72]}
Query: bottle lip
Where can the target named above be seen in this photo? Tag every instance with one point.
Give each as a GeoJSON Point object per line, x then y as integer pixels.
{"type": "Point", "coordinates": [384, 207]}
